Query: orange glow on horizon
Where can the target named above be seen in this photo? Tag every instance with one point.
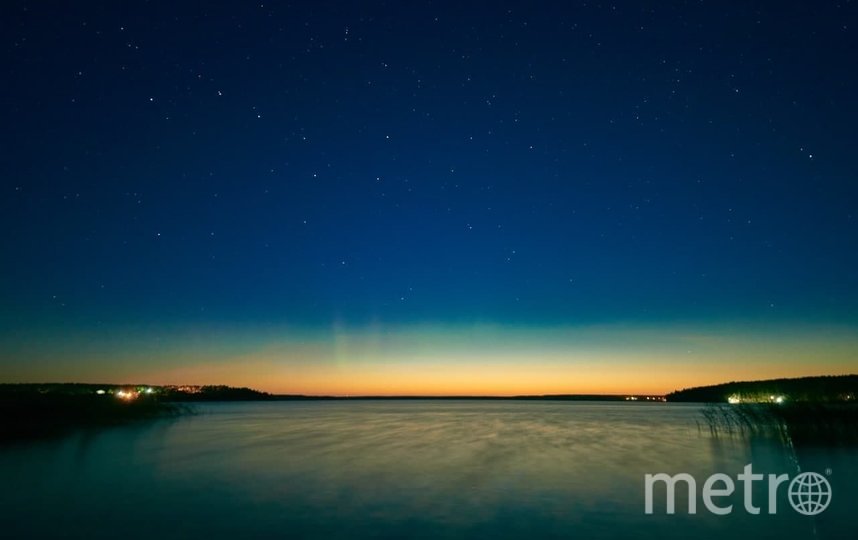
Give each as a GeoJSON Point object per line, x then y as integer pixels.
{"type": "Point", "coordinates": [471, 380]}
{"type": "Point", "coordinates": [445, 361]}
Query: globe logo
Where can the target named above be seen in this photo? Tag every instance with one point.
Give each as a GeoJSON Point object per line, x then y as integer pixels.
{"type": "Point", "coordinates": [809, 493]}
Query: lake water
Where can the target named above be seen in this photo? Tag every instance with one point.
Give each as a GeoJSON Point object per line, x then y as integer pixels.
{"type": "Point", "coordinates": [404, 469]}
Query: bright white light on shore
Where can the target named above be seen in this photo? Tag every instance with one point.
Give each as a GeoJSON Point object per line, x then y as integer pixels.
{"type": "Point", "coordinates": [779, 399]}
{"type": "Point", "coordinates": [149, 390]}
{"type": "Point", "coordinates": [733, 400]}
{"type": "Point", "coordinates": [100, 392]}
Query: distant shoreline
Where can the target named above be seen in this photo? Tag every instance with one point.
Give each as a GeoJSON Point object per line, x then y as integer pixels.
{"type": "Point", "coordinates": [546, 397]}
{"type": "Point", "coordinates": [835, 388]}
{"type": "Point", "coordinates": [33, 410]}
{"type": "Point", "coordinates": [194, 393]}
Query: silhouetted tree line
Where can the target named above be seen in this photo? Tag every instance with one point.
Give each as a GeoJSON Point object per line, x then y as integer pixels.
{"type": "Point", "coordinates": [214, 393]}
{"type": "Point", "coordinates": [835, 388]}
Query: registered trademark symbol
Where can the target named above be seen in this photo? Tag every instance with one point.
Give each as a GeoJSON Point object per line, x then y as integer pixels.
{"type": "Point", "coordinates": [828, 471]}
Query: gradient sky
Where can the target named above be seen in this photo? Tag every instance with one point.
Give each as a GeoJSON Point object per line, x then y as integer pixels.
{"type": "Point", "coordinates": [428, 198]}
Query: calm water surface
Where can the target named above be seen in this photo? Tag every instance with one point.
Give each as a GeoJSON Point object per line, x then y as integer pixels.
{"type": "Point", "coordinates": [402, 469]}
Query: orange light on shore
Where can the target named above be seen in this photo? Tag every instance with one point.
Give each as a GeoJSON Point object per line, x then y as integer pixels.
{"type": "Point", "coordinates": [126, 395]}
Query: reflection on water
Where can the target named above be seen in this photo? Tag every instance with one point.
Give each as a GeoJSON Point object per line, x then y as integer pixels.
{"type": "Point", "coordinates": [400, 469]}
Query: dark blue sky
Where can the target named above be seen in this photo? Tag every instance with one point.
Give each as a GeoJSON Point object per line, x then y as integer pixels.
{"type": "Point", "coordinates": [401, 163]}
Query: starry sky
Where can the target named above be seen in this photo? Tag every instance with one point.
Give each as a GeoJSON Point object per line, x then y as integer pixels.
{"type": "Point", "coordinates": [428, 197]}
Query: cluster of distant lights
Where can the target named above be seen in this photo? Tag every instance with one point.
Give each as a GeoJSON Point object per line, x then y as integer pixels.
{"type": "Point", "coordinates": [735, 400]}
{"type": "Point", "coordinates": [646, 398]}
{"type": "Point", "coordinates": [127, 395]}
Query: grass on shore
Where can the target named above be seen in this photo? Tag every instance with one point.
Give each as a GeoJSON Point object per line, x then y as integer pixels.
{"type": "Point", "coordinates": [802, 423]}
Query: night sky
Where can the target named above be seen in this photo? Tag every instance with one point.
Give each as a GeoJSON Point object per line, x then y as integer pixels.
{"type": "Point", "coordinates": [413, 197]}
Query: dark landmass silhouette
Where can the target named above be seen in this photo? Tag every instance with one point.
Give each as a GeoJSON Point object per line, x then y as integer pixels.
{"type": "Point", "coordinates": [805, 412]}
{"type": "Point", "coordinates": [811, 406]}
{"type": "Point", "coordinates": [827, 388]}
{"type": "Point", "coordinates": [191, 393]}
{"type": "Point", "coordinates": [27, 415]}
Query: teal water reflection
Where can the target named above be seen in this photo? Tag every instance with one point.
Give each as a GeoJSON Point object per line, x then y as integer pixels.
{"type": "Point", "coordinates": [400, 469]}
